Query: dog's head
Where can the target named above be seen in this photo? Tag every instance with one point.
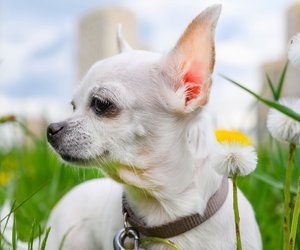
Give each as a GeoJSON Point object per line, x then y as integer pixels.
{"type": "Point", "coordinates": [135, 108]}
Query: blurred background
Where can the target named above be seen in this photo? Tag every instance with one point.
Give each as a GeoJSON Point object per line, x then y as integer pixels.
{"type": "Point", "coordinates": [47, 46]}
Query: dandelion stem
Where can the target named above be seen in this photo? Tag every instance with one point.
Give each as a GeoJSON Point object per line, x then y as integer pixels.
{"type": "Point", "coordinates": [160, 240]}
{"type": "Point", "coordinates": [287, 197]}
{"type": "Point", "coordinates": [295, 219]}
{"type": "Point", "coordinates": [236, 214]}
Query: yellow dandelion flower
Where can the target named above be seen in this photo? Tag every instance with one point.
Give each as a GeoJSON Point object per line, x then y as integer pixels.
{"type": "Point", "coordinates": [232, 136]}
{"type": "Point", "coordinates": [5, 177]}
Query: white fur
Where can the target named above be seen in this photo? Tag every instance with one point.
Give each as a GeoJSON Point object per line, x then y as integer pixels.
{"type": "Point", "coordinates": [161, 147]}
{"type": "Point", "coordinates": [178, 177]}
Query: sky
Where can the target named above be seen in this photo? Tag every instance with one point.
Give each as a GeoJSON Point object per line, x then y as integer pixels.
{"type": "Point", "coordinates": [38, 49]}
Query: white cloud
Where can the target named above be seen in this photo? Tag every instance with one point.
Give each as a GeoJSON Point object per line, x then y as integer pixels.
{"type": "Point", "coordinates": [20, 46]}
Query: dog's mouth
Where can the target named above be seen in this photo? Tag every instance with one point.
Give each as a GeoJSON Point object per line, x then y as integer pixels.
{"type": "Point", "coordinates": [72, 159]}
{"type": "Point", "coordinates": [93, 161]}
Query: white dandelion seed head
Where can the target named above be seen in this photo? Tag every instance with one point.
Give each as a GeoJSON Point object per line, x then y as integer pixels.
{"type": "Point", "coordinates": [282, 127]}
{"type": "Point", "coordinates": [234, 159]}
{"type": "Point", "coordinates": [294, 51]}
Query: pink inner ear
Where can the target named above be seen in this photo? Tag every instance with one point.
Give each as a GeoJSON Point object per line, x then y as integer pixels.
{"type": "Point", "coordinates": [193, 78]}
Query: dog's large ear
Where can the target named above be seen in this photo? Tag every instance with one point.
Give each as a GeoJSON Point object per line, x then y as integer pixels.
{"type": "Point", "coordinates": [122, 43]}
{"type": "Point", "coordinates": [190, 64]}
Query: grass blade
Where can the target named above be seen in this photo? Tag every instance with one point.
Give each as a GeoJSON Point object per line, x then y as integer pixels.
{"type": "Point", "coordinates": [44, 242]}
{"type": "Point", "coordinates": [31, 239]}
{"type": "Point", "coordinates": [271, 181]}
{"type": "Point", "coordinates": [62, 242]}
{"type": "Point", "coordinates": [8, 217]}
{"type": "Point", "coordinates": [283, 109]}
{"type": "Point", "coordinates": [24, 201]}
{"type": "Point", "coordinates": [160, 240]}
{"type": "Point", "coordinates": [1, 237]}
{"type": "Point", "coordinates": [14, 236]}
{"type": "Point", "coordinates": [281, 81]}
{"type": "Point", "coordinates": [39, 235]}
{"type": "Point", "coordinates": [271, 85]}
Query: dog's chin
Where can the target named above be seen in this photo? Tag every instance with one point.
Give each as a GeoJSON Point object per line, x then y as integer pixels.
{"type": "Point", "coordinates": [85, 162]}
{"type": "Point", "coordinates": [75, 160]}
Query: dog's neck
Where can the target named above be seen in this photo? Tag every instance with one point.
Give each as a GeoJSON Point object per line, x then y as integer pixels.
{"type": "Point", "coordinates": [186, 180]}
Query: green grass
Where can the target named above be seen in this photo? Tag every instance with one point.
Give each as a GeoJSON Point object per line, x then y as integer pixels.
{"type": "Point", "coordinates": [264, 189]}
{"type": "Point", "coordinates": [268, 198]}
{"type": "Point", "coordinates": [34, 169]}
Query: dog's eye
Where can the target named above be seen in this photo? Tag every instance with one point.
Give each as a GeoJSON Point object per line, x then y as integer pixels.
{"type": "Point", "coordinates": [101, 106]}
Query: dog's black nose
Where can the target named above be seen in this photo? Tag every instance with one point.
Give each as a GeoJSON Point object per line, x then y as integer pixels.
{"type": "Point", "coordinates": [54, 129]}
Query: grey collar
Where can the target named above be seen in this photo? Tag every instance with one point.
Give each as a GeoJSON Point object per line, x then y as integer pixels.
{"type": "Point", "coordinates": [180, 225]}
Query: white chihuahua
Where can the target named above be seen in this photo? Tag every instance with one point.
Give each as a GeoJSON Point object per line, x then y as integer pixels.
{"type": "Point", "coordinates": [141, 117]}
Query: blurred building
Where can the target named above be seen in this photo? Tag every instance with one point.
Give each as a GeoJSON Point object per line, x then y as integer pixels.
{"type": "Point", "coordinates": [97, 35]}
{"type": "Point", "coordinates": [274, 69]}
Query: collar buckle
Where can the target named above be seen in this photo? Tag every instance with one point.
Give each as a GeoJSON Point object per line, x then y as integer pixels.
{"type": "Point", "coordinates": [127, 232]}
